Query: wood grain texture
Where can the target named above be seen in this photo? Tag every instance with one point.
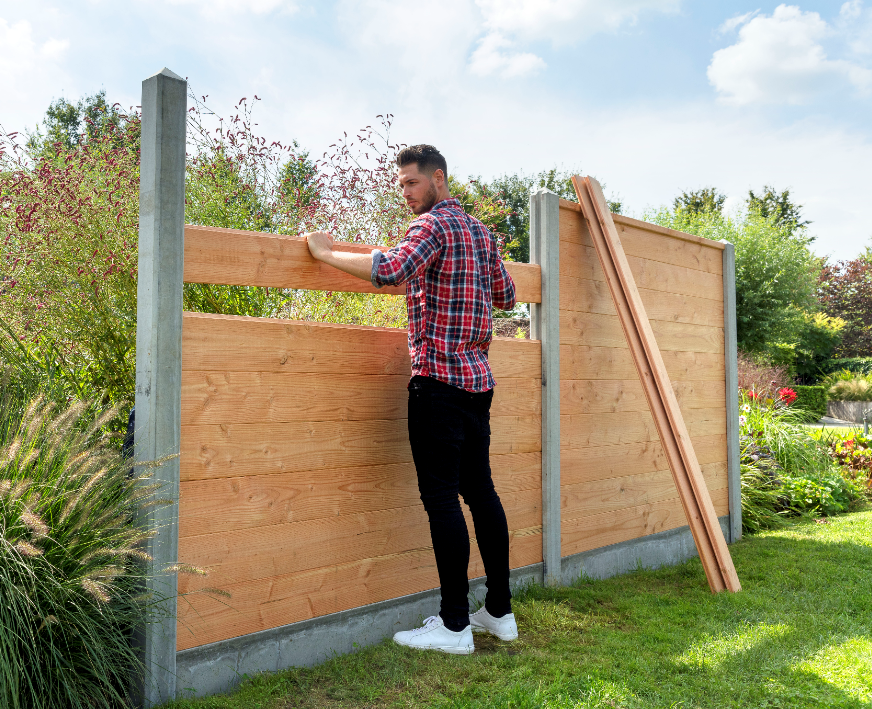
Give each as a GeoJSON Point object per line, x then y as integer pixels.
{"type": "Point", "coordinates": [260, 604]}
{"type": "Point", "coordinates": [595, 531]}
{"type": "Point", "coordinates": [271, 397]}
{"type": "Point", "coordinates": [621, 395]}
{"type": "Point", "coordinates": [233, 450]}
{"type": "Point", "coordinates": [588, 296]}
{"type": "Point", "coordinates": [583, 430]}
{"type": "Point", "coordinates": [249, 258]}
{"type": "Point", "coordinates": [227, 343]}
{"type": "Point", "coordinates": [571, 212]}
{"type": "Point", "coordinates": [275, 550]}
{"type": "Point", "coordinates": [597, 330]}
{"type": "Point", "coordinates": [594, 497]}
{"type": "Point", "coordinates": [601, 363]}
{"type": "Point", "coordinates": [225, 504]}
{"type": "Point", "coordinates": [592, 463]}
{"type": "Point", "coordinates": [578, 261]}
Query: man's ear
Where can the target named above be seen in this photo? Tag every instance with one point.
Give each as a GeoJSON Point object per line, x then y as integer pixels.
{"type": "Point", "coordinates": [439, 177]}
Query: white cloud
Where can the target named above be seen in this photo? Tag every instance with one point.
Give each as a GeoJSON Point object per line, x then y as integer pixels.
{"type": "Point", "coordinates": [28, 66]}
{"type": "Point", "coordinates": [490, 58]}
{"type": "Point", "coordinates": [855, 23]}
{"type": "Point", "coordinates": [565, 21]}
{"type": "Point", "coordinates": [216, 8]}
{"type": "Point", "coordinates": [780, 59]}
{"type": "Point", "coordinates": [737, 21]}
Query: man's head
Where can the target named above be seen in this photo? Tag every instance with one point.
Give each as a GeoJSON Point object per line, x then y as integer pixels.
{"type": "Point", "coordinates": [423, 177]}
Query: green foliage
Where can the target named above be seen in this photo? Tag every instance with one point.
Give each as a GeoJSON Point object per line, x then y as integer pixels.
{"type": "Point", "coordinates": [779, 208]}
{"type": "Point", "coordinates": [855, 388]}
{"type": "Point", "coordinates": [817, 337]}
{"type": "Point", "coordinates": [776, 276]}
{"type": "Point", "coordinates": [707, 199]}
{"type": "Point", "coordinates": [70, 560]}
{"type": "Point", "coordinates": [812, 399]}
{"type": "Point", "coordinates": [845, 291]}
{"type": "Point", "coordinates": [857, 365]}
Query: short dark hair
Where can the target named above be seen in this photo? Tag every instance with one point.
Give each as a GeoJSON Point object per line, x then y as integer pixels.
{"type": "Point", "coordinates": [426, 157]}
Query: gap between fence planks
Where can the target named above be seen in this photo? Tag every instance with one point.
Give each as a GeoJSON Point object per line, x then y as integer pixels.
{"type": "Point", "coordinates": [694, 494]}
{"type": "Point", "coordinates": [250, 258]}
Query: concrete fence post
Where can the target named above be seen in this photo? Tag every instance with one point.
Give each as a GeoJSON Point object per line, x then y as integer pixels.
{"type": "Point", "coordinates": [159, 357]}
{"type": "Point", "coordinates": [545, 326]}
{"type": "Point", "coordinates": [734, 475]}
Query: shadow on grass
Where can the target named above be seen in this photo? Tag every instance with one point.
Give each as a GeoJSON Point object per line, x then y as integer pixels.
{"type": "Point", "coordinates": [798, 635]}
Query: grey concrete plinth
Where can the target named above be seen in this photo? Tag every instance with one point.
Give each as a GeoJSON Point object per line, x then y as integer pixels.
{"type": "Point", "coordinates": [849, 410]}
{"type": "Point", "coordinates": [651, 552]}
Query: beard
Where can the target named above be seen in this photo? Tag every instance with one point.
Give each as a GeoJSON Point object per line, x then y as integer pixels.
{"type": "Point", "coordinates": [427, 203]}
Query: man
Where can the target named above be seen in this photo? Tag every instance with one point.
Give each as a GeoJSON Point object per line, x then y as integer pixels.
{"type": "Point", "coordinates": [453, 275]}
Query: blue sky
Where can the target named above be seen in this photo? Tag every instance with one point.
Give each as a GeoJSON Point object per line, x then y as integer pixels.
{"type": "Point", "coordinates": [651, 96]}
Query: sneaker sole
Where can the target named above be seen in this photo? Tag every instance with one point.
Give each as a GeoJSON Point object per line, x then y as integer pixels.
{"type": "Point", "coordinates": [450, 650]}
{"type": "Point", "coordinates": [504, 638]}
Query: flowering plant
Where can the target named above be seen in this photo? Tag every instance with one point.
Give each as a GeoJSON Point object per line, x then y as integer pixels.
{"type": "Point", "coordinates": [786, 395]}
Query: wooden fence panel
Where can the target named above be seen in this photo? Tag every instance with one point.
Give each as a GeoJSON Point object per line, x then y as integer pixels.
{"type": "Point", "coordinates": [615, 480]}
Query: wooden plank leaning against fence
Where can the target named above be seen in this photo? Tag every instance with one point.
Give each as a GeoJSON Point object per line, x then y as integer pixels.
{"type": "Point", "coordinates": [298, 491]}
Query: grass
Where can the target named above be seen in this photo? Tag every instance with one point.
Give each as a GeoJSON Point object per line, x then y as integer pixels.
{"type": "Point", "coordinates": [798, 635]}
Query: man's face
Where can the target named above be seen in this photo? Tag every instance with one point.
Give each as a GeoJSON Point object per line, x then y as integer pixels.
{"type": "Point", "coordinates": [419, 189]}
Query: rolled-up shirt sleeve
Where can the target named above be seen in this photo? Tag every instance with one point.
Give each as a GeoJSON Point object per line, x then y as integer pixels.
{"type": "Point", "coordinates": [503, 287]}
{"type": "Point", "coordinates": [406, 260]}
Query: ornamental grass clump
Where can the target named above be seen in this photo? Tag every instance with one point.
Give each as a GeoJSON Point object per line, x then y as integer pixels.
{"type": "Point", "coordinates": [845, 385]}
{"type": "Point", "coordinates": [71, 560]}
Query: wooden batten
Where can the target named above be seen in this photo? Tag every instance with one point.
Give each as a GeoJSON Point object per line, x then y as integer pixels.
{"type": "Point", "coordinates": [251, 258]}
{"type": "Point", "coordinates": [667, 417]}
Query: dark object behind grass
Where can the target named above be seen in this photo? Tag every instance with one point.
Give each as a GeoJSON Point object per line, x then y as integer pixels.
{"type": "Point", "coordinates": [70, 561]}
{"type": "Point", "coordinates": [799, 635]}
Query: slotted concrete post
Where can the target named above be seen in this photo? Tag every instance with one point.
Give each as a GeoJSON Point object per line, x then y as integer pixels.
{"type": "Point", "coordinates": [734, 475]}
{"type": "Point", "coordinates": [545, 326]}
{"type": "Point", "coordinates": [159, 357]}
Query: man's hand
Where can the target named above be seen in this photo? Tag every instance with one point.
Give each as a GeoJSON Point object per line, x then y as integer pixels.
{"type": "Point", "coordinates": [320, 244]}
{"type": "Point", "coordinates": [321, 247]}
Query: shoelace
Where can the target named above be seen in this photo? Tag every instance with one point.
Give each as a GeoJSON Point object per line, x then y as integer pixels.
{"type": "Point", "coordinates": [428, 624]}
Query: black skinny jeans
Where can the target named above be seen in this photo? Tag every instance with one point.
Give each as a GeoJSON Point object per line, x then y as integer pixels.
{"type": "Point", "coordinates": [449, 430]}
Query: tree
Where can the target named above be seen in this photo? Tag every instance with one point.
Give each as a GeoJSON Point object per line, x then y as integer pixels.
{"type": "Point", "coordinates": [776, 276]}
{"type": "Point", "coordinates": [778, 207]}
{"type": "Point", "coordinates": [845, 291]}
{"type": "Point", "coordinates": [707, 199]}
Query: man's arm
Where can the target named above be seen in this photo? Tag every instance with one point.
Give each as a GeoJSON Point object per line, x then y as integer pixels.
{"type": "Point", "coordinates": [321, 247]}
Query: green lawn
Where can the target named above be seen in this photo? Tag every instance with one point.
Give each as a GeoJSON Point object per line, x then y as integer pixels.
{"type": "Point", "coordinates": [798, 635]}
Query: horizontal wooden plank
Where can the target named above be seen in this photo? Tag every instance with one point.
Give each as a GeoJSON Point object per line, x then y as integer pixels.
{"type": "Point", "coordinates": [606, 331]}
{"type": "Point", "coordinates": [583, 430]}
{"type": "Point", "coordinates": [261, 604]}
{"type": "Point", "coordinates": [225, 504]}
{"type": "Point", "coordinates": [250, 258]}
{"type": "Point", "coordinates": [583, 295]}
{"type": "Point", "coordinates": [571, 211]}
{"type": "Point", "coordinates": [275, 550]}
{"type": "Point", "coordinates": [592, 532]}
{"type": "Point", "coordinates": [591, 463]}
{"type": "Point", "coordinates": [616, 395]}
{"type": "Point", "coordinates": [233, 450]}
{"type": "Point", "coordinates": [229, 343]}
{"type": "Point", "coordinates": [579, 261]}
{"type": "Point", "coordinates": [275, 397]}
{"type": "Point", "coordinates": [593, 497]}
{"type": "Point", "coordinates": [600, 363]}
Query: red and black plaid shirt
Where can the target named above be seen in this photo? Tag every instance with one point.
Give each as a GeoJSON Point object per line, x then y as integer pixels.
{"type": "Point", "coordinates": [453, 275]}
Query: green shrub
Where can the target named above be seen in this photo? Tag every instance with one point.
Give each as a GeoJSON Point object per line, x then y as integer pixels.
{"type": "Point", "coordinates": [812, 400]}
{"type": "Point", "coordinates": [70, 561]}
{"type": "Point", "coordinates": [858, 365]}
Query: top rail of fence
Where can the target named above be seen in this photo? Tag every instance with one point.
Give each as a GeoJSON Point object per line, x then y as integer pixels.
{"type": "Point", "coordinates": [249, 258]}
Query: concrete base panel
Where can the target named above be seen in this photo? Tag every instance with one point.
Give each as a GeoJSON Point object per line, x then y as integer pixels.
{"type": "Point", "coordinates": [848, 410]}
{"type": "Point", "coordinates": [220, 666]}
{"type": "Point", "coordinates": [651, 552]}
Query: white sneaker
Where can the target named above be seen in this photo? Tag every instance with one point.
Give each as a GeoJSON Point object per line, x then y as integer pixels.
{"type": "Point", "coordinates": [504, 628]}
{"type": "Point", "coordinates": [435, 636]}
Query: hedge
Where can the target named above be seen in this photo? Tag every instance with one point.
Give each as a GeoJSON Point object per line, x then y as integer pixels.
{"type": "Point", "coordinates": [812, 399]}
{"type": "Point", "coordinates": [858, 365]}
